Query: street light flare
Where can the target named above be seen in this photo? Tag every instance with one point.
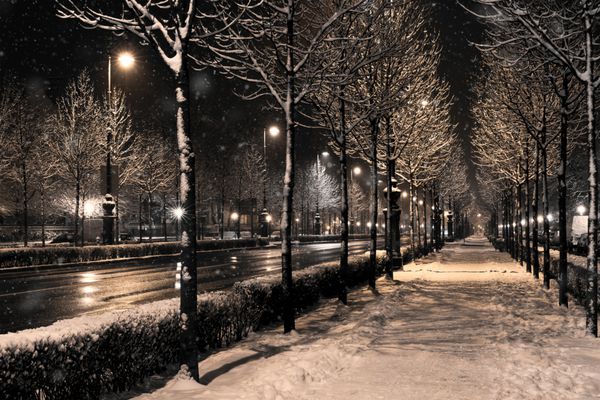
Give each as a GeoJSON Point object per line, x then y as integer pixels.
{"type": "Point", "coordinates": [273, 131]}
{"type": "Point", "coordinates": [126, 60]}
{"type": "Point", "coordinates": [178, 212]}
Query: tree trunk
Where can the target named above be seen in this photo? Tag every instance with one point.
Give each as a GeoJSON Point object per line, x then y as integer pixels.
{"type": "Point", "coordinates": [77, 197]}
{"type": "Point", "coordinates": [425, 242]}
{"type": "Point", "coordinates": [373, 205]}
{"type": "Point", "coordinates": [140, 222]}
{"type": "Point", "coordinates": [591, 321]}
{"type": "Point", "coordinates": [187, 188]}
{"type": "Point", "coordinates": [527, 214]}
{"type": "Point", "coordinates": [389, 243]}
{"type": "Point", "coordinates": [563, 278]}
{"type": "Point", "coordinates": [43, 214]}
{"type": "Point", "coordinates": [534, 209]}
{"type": "Point", "coordinates": [411, 210]}
{"type": "Point", "coordinates": [117, 221]}
{"type": "Point", "coordinates": [289, 178]}
{"type": "Point", "coordinates": [519, 208]}
{"type": "Point", "coordinates": [25, 205]}
{"type": "Point", "coordinates": [150, 224]}
{"type": "Point", "coordinates": [545, 214]}
{"type": "Point", "coordinates": [164, 212]}
{"type": "Point", "coordinates": [343, 284]}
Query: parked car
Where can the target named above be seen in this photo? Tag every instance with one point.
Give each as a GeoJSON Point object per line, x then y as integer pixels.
{"type": "Point", "coordinates": [63, 238]}
{"type": "Point", "coordinates": [229, 235]}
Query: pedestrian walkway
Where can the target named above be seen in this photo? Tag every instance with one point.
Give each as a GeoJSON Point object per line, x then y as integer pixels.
{"type": "Point", "coordinates": [465, 323]}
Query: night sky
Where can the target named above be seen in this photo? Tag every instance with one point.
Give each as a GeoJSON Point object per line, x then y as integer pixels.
{"type": "Point", "coordinates": [46, 52]}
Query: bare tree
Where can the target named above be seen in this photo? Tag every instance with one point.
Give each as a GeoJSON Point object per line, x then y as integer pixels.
{"type": "Point", "coordinates": [123, 145]}
{"type": "Point", "coordinates": [274, 46]}
{"type": "Point", "coordinates": [156, 172]}
{"type": "Point", "coordinates": [20, 135]}
{"type": "Point", "coordinates": [168, 27]}
{"type": "Point", "coordinates": [75, 129]}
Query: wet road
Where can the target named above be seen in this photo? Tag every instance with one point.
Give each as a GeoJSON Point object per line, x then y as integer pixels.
{"type": "Point", "coordinates": [29, 299]}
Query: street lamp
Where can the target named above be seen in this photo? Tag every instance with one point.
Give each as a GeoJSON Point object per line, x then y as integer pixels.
{"type": "Point", "coordinates": [264, 228]}
{"type": "Point", "coordinates": [581, 210]}
{"type": "Point", "coordinates": [125, 61]}
{"type": "Point", "coordinates": [353, 171]}
{"type": "Point", "coordinates": [236, 218]}
{"type": "Point", "coordinates": [178, 212]}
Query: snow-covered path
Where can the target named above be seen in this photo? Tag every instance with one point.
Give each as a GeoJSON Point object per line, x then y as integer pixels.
{"type": "Point", "coordinates": [466, 323]}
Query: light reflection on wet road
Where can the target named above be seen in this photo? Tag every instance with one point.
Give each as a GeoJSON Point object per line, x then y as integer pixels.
{"type": "Point", "coordinates": [30, 299]}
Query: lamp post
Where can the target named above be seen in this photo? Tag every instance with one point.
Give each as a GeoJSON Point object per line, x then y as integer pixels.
{"type": "Point", "coordinates": [317, 224]}
{"type": "Point", "coordinates": [236, 218]}
{"type": "Point", "coordinates": [126, 61]}
{"type": "Point", "coordinates": [264, 217]}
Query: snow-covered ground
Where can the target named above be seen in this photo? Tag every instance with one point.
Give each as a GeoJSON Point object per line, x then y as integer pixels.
{"type": "Point", "coordinates": [466, 323]}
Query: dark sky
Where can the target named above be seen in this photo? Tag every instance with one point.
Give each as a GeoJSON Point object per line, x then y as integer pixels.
{"type": "Point", "coordinates": [45, 52]}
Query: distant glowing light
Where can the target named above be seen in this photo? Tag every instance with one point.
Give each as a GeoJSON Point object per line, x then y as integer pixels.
{"type": "Point", "coordinates": [550, 217]}
{"type": "Point", "coordinates": [358, 223]}
{"type": "Point", "coordinates": [405, 194]}
{"type": "Point", "coordinates": [269, 218]}
{"type": "Point", "coordinates": [178, 212]}
{"type": "Point", "coordinates": [581, 209]}
{"type": "Point", "coordinates": [420, 202]}
{"type": "Point", "coordinates": [235, 216]}
{"type": "Point", "coordinates": [273, 131]}
{"type": "Point", "coordinates": [356, 170]}
{"type": "Point", "coordinates": [523, 222]}
{"type": "Point", "coordinates": [540, 219]}
{"type": "Point", "coordinates": [369, 225]}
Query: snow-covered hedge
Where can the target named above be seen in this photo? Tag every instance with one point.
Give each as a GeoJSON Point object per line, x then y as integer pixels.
{"type": "Point", "coordinates": [20, 257]}
{"type": "Point", "coordinates": [84, 357]}
{"type": "Point", "coordinates": [327, 238]}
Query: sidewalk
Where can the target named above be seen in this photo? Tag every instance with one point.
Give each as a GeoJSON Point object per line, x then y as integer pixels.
{"type": "Point", "coordinates": [466, 323]}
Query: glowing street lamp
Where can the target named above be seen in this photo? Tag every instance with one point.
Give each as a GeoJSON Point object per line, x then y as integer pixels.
{"type": "Point", "coordinates": [581, 209]}
{"type": "Point", "coordinates": [126, 61]}
{"type": "Point", "coordinates": [264, 228]}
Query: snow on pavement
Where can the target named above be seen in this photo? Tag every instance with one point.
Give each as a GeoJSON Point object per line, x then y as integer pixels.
{"type": "Point", "coordinates": [466, 323]}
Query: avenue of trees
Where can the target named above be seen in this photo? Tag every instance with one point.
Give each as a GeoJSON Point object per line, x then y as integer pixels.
{"type": "Point", "coordinates": [362, 73]}
{"type": "Point", "coordinates": [536, 119]}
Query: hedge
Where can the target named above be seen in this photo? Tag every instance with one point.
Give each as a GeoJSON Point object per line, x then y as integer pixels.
{"type": "Point", "coordinates": [20, 257]}
{"type": "Point", "coordinates": [328, 238]}
{"type": "Point", "coordinates": [84, 357]}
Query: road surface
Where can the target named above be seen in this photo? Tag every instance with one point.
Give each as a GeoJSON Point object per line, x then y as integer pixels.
{"type": "Point", "coordinates": [30, 299]}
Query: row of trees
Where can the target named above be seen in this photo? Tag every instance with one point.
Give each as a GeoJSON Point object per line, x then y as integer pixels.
{"type": "Point", "coordinates": [536, 107]}
{"type": "Point", "coordinates": [52, 157]}
{"type": "Point", "coordinates": [364, 71]}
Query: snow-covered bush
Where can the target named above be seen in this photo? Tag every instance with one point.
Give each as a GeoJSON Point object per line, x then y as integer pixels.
{"type": "Point", "coordinates": [19, 257]}
{"type": "Point", "coordinates": [86, 356]}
